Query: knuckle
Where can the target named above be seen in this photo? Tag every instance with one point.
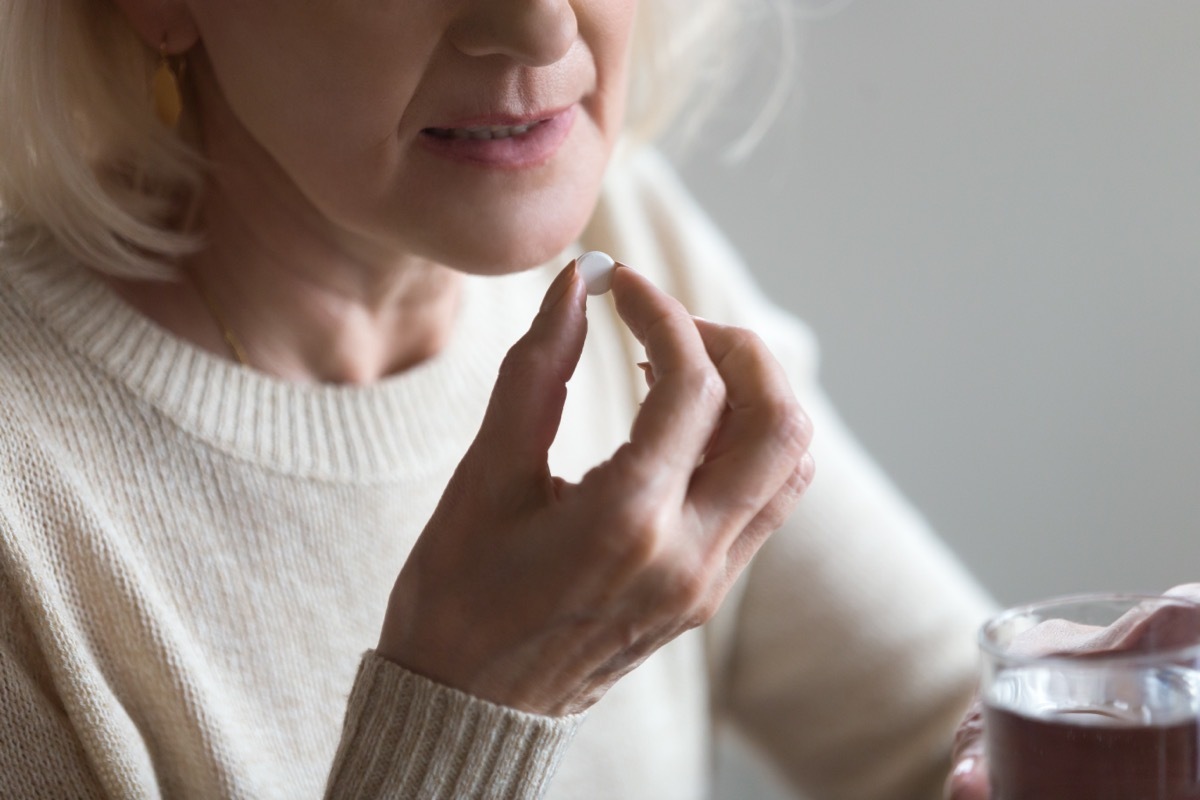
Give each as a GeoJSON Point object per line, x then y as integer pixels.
{"type": "Point", "coordinates": [791, 426]}
{"type": "Point", "coordinates": [635, 475]}
{"type": "Point", "coordinates": [705, 383]}
{"type": "Point", "coordinates": [705, 611]}
{"type": "Point", "coordinates": [777, 511]}
{"type": "Point", "coordinates": [627, 635]}
{"type": "Point", "coordinates": [637, 535]}
{"type": "Point", "coordinates": [804, 473]}
{"type": "Point", "coordinates": [772, 517]}
{"type": "Point", "coordinates": [748, 343]}
{"type": "Point", "coordinates": [744, 345]}
{"type": "Point", "coordinates": [690, 590]}
{"type": "Point", "coordinates": [800, 477]}
{"type": "Point", "coordinates": [685, 590]}
{"type": "Point", "coordinates": [696, 580]}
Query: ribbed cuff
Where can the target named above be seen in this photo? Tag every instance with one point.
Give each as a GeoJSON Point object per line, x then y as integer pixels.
{"type": "Point", "coordinates": [406, 736]}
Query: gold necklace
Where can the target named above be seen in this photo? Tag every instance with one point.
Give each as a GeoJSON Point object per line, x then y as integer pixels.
{"type": "Point", "coordinates": [235, 345]}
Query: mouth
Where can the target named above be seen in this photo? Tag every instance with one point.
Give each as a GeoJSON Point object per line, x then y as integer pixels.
{"type": "Point", "coordinates": [502, 141]}
{"type": "Point", "coordinates": [483, 131]}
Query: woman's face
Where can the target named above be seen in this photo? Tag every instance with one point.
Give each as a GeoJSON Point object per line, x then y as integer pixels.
{"type": "Point", "coordinates": [471, 132]}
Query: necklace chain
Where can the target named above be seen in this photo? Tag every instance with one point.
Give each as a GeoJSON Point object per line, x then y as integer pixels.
{"type": "Point", "coordinates": [235, 344]}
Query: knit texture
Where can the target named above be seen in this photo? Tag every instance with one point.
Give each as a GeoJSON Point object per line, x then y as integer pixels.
{"type": "Point", "coordinates": [194, 557]}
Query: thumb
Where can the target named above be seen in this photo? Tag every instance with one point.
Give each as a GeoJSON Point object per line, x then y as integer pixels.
{"type": "Point", "coordinates": [526, 406]}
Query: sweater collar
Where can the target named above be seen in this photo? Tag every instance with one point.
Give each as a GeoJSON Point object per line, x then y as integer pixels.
{"type": "Point", "coordinates": [410, 424]}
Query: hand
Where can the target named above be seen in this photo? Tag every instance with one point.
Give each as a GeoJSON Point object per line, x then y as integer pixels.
{"type": "Point", "coordinates": [1134, 630]}
{"type": "Point", "coordinates": [539, 594]}
{"type": "Point", "coordinates": [969, 778]}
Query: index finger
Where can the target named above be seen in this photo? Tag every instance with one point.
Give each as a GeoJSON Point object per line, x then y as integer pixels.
{"type": "Point", "coordinates": [685, 403]}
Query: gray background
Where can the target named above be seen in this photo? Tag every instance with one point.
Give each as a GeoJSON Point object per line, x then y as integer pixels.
{"type": "Point", "coordinates": [989, 212]}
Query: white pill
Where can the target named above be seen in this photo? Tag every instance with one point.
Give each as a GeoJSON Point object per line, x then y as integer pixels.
{"type": "Point", "coordinates": [597, 271]}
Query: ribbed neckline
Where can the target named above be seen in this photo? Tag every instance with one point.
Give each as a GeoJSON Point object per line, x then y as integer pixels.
{"type": "Point", "coordinates": [408, 424]}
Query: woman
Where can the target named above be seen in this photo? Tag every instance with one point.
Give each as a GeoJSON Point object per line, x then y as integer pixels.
{"type": "Point", "coordinates": [246, 362]}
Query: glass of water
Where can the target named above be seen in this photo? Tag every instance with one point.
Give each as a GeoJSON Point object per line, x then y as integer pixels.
{"type": "Point", "coordinates": [1094, 697]}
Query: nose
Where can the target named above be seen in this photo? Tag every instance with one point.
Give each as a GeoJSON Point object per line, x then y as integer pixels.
{"type": "Point", "coordinates": [531, 32]}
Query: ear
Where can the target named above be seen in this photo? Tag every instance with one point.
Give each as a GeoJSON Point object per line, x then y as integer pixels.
{"type": "Point", "coordinates": [166, 24]}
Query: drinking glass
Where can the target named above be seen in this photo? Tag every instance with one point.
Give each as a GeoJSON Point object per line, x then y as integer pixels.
{"type": "Point", "coordinates": [1093, 697]}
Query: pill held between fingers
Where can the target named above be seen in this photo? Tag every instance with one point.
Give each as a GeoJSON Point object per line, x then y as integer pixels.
{"type": "Point", "coordinates": [597, 271]}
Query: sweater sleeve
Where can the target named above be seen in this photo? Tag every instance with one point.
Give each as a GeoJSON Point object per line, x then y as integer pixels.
{"type": "Point", "coordinates": [79, 693]}
{"type": "Point", "coordinates": [404, 737]}
{"type": "Point", "coordinates": [408, 737]}
{"type": "Point", "coordinates": [847, 650]}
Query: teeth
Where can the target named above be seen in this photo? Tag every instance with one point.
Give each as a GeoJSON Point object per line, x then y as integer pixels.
{"type": "Point", "coordinates": [484, 131]}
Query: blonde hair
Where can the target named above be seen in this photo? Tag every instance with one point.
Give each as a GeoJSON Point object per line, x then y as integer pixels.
{"type": "Point", "coordinates": [87, 170]}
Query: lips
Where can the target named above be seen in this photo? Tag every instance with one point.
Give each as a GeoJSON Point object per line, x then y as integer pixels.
{"type": "Point", "coordinates": [502, 141]}
{"type": "Point", "coordinates": [483, 131]}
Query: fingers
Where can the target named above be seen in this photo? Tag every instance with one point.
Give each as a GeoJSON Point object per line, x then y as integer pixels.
{"type": "Point", "coordinates": [769, 520]}
{"type": "Point", "coordinates": [761, 442]}
{"type": "Point", "coordinates": [1169, 622]}
{"type": "Point", "coordinates": [1188, 591]}
{"type": "Point", "coordinates": [681, 410]}
{"type": "Point", "coordinates": [526, 405]}
{"type": "Point", "coordinates": [969, 780]}
{"type": "Point", "coordinates": [752, 473]}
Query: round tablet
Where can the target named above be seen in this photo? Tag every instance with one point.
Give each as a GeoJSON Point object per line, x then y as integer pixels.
{"type": "Point", "coordinates": [597, 271]}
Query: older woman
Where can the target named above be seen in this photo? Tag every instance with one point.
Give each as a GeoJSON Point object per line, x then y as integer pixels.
{"type": "Point", "coordinates": [246, 358]}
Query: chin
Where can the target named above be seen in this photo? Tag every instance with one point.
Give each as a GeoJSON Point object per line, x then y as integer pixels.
{"type": "Point", "coordinates": [515, 243]}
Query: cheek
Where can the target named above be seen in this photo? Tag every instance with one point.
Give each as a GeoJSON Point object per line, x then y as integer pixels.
{"type": "Point", "coordinates": [609, 34]}
{"type": "Point", "coordinates": [323, 92]}
{"type": "Point", "coordinates": [319, 90]}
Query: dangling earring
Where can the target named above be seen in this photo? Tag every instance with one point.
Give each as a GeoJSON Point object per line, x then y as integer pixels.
{"type": "Point", "coordinates": [168, 98]}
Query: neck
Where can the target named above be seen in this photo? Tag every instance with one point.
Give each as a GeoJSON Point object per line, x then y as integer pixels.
{"type": "Point", "coordinates": [301, 309]}
{"type": "Point", "coordinates": [326, 321]}
{"type": "Point", "coordinates": [307, 299]}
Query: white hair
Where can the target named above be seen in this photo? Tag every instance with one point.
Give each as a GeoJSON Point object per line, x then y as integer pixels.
{"type": "Point", "coordinates": [88, 170]}
{"type": "Point", "coordinates": [85, 165]}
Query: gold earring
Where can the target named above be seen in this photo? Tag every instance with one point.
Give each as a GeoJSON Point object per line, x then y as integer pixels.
{"type": "Point", "coordinates": [168, 98]}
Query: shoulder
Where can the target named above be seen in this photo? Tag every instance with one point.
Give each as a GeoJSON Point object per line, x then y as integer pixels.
{"type": "Point", "coordinates": [45, 393]}
{"type": "Point", "coordinates": [21, 365]}
{"type": "Point", "coordinates": [33, 420]}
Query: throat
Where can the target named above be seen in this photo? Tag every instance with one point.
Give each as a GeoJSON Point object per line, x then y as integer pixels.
{"type": "Point", "coordinates": [304, 334]}
{"type": "Point", "coordinates": [356, 345]}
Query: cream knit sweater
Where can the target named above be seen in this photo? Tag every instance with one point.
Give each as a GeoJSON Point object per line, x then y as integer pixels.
{"type": "Point", "coordinates": [194, 557]}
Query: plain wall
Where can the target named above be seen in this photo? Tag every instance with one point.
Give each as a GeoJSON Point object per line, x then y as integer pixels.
{"type": "Point", "coordinates": [989, 212]}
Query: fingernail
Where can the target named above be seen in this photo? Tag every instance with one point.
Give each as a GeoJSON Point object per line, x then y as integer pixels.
{"type": "Point", "coordinates": [558, 288]}
{"type": "Point", "coordinates": [648, 370]}
{"type": "Point", "coordinates": [620, 265]}
{"type": "Point", "coordinates": [964, 767]}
